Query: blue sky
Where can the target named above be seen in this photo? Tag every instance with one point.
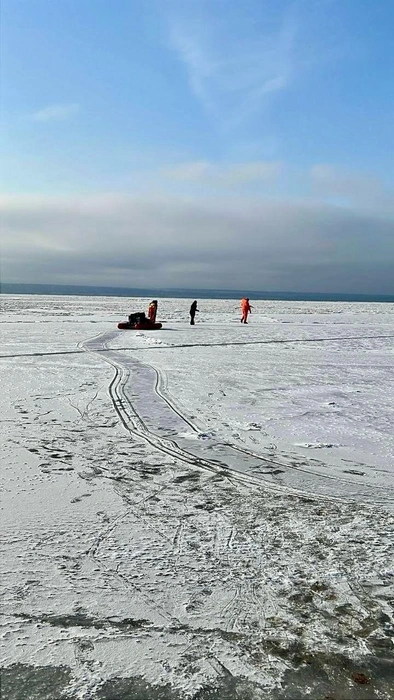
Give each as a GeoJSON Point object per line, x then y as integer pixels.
{"type": "Point", "coordinates": [215, 122]}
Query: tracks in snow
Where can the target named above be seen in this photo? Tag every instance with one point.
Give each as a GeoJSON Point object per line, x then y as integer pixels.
{"type": "Point", "coordinates": [139, 398]}
{"type": "Point", "coordinates": [273, 341]}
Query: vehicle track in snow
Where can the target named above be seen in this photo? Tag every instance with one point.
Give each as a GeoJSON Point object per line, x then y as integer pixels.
{"type": "Point", "coordinates": [224, 344]}
{"type": "Point", "coordinates": [145, 409]}
{"type": "Point", "coordinates": [133, 422]}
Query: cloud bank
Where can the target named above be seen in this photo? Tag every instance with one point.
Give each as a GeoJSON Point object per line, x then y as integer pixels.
{"type": "Point", "coordinates": [170, 241]}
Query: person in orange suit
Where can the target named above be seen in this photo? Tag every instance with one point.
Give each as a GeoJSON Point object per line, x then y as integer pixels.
{"type": "Point", "coordinates": [246, 309]}
{"type": "Point", "coordinates": [152, 311]}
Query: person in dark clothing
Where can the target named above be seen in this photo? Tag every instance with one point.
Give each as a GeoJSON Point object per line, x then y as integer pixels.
{"type": "Point", "coordinates": [192, 312]}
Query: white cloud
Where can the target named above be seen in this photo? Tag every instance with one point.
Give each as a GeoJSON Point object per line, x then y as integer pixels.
{"type": "Point", "coordinates": [232, 66]}
{"type": "Point", "coordinates": [225, 175]}
{"type": "Point", "coordinates": [57, 112]}
{"type": "Point", "coordinates": [241, 56]}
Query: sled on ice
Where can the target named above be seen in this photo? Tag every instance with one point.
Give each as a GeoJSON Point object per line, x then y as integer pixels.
{"type": "Point", "coordinates": [139, 322]}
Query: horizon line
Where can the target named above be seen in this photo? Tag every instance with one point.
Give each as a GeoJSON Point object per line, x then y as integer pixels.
{"type": "Point", "coordinates": [35, 286]}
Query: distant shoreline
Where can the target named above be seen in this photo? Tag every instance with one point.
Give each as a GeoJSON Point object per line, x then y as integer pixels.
{"type": "Point", "coordinates": [84, 290]}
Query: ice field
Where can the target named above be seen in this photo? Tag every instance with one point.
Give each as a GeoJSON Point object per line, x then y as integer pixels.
{"type": "Point", "coordinates": [198, 512]}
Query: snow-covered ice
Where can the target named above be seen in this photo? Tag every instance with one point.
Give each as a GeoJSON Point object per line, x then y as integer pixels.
{"type": "Point", "coordinates": [197, 512]}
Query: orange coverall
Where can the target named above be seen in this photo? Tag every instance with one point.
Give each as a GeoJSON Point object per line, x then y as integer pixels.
{"type": "Point", "coordinates": [152, 311]}
{"type": "Point", "coordinates": [245, 308]}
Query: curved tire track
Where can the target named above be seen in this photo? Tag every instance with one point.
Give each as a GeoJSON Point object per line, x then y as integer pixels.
{"type": "Point", "coordinates": [140, 400]}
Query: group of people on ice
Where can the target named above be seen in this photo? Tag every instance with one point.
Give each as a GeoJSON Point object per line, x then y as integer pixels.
{"type": "Point", "coordinates": [152, 313]}
{"type": "Point", "coordinates": [246, 309]}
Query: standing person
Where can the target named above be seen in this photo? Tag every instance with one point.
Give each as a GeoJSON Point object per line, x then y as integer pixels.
{"type": "Point", "coordinates": [246, 309]}
{"type": "Point", "coordinates": [192, 312]}
{"type": "Point", "coordinates": [152, 311]}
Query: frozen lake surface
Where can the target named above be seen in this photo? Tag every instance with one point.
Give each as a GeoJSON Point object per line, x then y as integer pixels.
{"type": "Point", "coordinates": [197, 512]}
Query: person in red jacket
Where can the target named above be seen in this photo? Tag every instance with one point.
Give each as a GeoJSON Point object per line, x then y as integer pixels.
{"type": "Point", "coordinates": [246, 309]}
{"type": "Point", "coordinates": [152, 311]}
